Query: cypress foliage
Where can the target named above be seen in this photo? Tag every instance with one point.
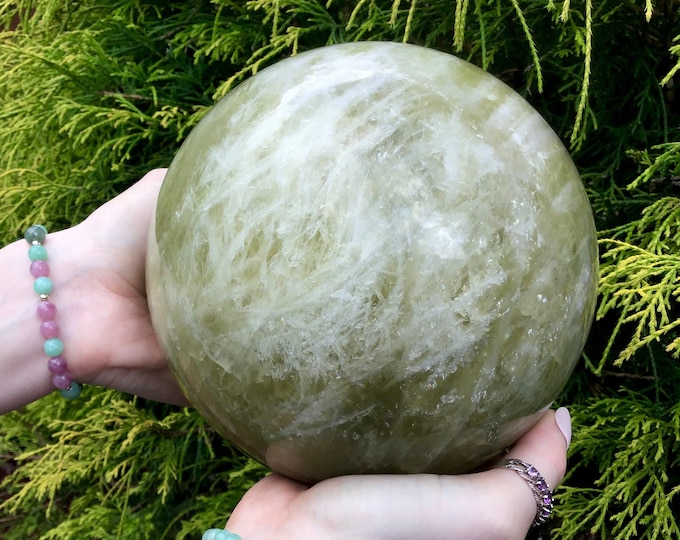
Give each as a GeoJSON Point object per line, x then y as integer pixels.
{"type": "Point", "coordinates": [94, 93]}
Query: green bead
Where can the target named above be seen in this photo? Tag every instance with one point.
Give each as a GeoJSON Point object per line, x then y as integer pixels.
{"type": "Point", "coordinates": [53, 347]}
{"type": "Point", "coordinates": [35, 233]}
{"type": "Point", "coordinates": [43, 285]}
{"type": "Point", "coordinates": [37, 253]}
{"type": "Point", "coordinates": [73, 392]}
{"type": "Point", "coordinates": [219, 534]}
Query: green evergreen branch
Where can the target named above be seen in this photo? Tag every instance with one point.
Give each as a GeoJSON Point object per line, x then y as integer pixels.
{"type": "Point", "coordinates": [634, 495]}
{"type": "Point", "coordinates": [94, 93]}
{"type": "Point", "coordinates": [578, 133]}
{"type": "Point", "coordinates": [355, 12]}
{"type": "Point", "coordinates": [657, 229]}
{"type": "Point", "coordinates": [486, 61]}
{"type": "Point", "coordinates": [643, 287]}
{"type": "Point", "coordinates": [394, 12]}
{"type": "Point", "coordinates": [674, 50]}
{"type": "Point", "coordinates": [532, 44]}
{"type": "Point", "coordinates": [120, 463]}
{"type": "Point", "coordinates": [661, 165]}
{"type": "Point", "coordinates": [409, 21]}
{"type": "Point", "coordinates": [459, 23]}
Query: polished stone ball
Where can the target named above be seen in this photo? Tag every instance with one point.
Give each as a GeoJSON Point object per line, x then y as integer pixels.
{"type": "Point", "coordinates": [372, 258]}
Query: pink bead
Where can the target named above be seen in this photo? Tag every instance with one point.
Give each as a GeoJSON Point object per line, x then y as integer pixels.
{"type": "Point", "coordinates": [47, 311]}
{"type": "Point", "coordinates": [49, 329]}
{"type": "Point", "coordinates": [57, 365]}
{"type": "Point", "coordinates": [39, 269]}
{"type": "Point", "coordinates": [62, 381]}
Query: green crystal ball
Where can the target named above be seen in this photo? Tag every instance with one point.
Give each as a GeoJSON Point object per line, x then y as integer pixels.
{"type": "Point", "coordinates": [372, 258]}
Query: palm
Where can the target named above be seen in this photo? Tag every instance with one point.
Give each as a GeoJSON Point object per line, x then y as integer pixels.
{"type": "Point", "coordinates": [384, 507]}
{"type": "Point", "coordinates": [493, 504]}
{"type": "Point", "coordinates": [115, 344]}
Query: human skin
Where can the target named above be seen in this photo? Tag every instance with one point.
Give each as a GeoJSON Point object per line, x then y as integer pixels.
{"type": "Point", "coordinates": [98, 272]}
{"type": "Point", "coordinates": [492, 505]}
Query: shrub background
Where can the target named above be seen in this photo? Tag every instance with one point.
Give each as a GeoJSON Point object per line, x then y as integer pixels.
{"type": "Point", "coordinates": [95, 93]}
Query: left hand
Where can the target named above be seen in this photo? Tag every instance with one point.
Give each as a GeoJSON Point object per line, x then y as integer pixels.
{"type": "Point", "coordinates": [491, 505]}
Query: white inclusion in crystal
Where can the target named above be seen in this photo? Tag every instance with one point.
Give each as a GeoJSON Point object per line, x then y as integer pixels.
{"type": "Point", "coordinates": [478, 396]}
{"type": "Point", "coordinates": [564, 200]}
{"type": "Point", "coordinates": [319, 81]}
{"type": "Point", "coordinates": [493, 432]}
{"type": "Point", "coordinates": [444, 244]}
{"type": "Point", "coordinates": [449, 398]}
{"type": "Point", "coordinates": [431, 385]}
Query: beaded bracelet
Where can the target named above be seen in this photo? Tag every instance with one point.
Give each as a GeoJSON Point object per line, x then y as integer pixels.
{"type": "Point", "coordinates": [219, 534]}
{"type": "Point", "coordinates": [47, 312]}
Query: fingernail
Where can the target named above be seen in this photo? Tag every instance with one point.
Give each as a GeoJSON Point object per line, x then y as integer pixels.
{"type": "Point", "coordinates": [563, 419]}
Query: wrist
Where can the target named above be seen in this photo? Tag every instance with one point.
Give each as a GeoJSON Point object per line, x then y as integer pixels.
{"type": "Point", "coordinates": [22, 360]}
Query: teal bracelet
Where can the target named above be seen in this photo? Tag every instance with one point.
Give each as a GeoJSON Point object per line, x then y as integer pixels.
{"type": "Point", "coordinates": [47, 312]}
{"type": "Point", "coordinates": [219, 534]}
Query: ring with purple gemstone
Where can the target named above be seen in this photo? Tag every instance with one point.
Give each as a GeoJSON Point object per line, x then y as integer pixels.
{"type": "Point", "coordinates": [539, 487]}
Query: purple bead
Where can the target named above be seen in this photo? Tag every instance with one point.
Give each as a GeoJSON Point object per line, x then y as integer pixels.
{"type": "Point", "coordinates": [62, 381]}
{"type": "Point", "coordinates": [39, 269]}
{"type": "Point", "coordinates": [47, 311]}
{"type": "Point", "coordinates": [57, 365]}
{"type": "Point", "coordinates": [532, 471]}
{"type": "Point", "coordinates": [541, 484]}
{"type": "Point", "coordinates": [49, 329]}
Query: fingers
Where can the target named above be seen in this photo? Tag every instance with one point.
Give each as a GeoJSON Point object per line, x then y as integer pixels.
{"type": "Point", "coordinates": [493, 504]}
{"type": "Point", "coordinates": [130, 212]}
{"type": "Point", "coordinates": [116, 234]}
{"type": "Point", "coordinates": [266, 509]}
{"type": "Point", "coordinates": [544, 447]}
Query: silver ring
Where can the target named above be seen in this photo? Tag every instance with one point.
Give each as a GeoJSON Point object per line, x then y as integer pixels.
{"type": "Point", "coordinates": [539, 487]}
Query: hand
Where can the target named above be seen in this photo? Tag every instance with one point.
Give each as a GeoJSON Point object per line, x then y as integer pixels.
{"type": "Point", "coordinates": [114, 344]}
{"type": "Point", "coordinates": [98, 270]}
{"type": "Point", "coordinates": [491, 505]}
{"type": "Point", "coordinates": [99, 289]}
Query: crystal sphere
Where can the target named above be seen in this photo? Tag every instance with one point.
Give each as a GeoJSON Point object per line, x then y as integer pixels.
{"type": "Point", "coordinates": [372, 258]}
